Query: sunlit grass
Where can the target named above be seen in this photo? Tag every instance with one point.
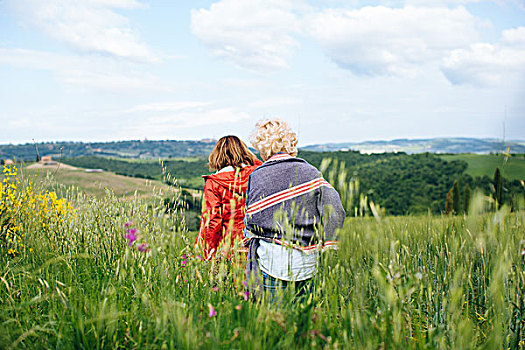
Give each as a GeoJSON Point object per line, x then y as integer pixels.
{"type": "Point", "coordinates": [95, 184]}
{"type": "Point", "coordinates": [512, 166]}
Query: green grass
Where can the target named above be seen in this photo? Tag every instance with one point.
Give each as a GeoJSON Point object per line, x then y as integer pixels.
{"type": "Point", "coordinates": [513, 168]}
{"type": "Point", "coordinates": [96, 184]}
{"type": "Point", "coordinates": [417, 282]}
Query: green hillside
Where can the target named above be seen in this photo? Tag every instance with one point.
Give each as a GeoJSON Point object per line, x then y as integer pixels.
{"type": "Point", "coordinates": [95, 184]}
{"type": "Point", "coordinates": [513, 168]}
{"type": "Point", "coordinates": [400, 183]}
{"type": "Point", "coordinates": [187, 171]}
{"type": "Point", "coordinates": [61, 178]}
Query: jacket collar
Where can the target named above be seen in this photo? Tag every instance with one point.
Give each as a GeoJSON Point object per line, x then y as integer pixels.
{"type": "Point", "coordinates": [279, 156]}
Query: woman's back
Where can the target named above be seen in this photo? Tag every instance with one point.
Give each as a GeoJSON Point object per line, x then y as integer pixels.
{"type": "Point", "coordinates": [224, 194]}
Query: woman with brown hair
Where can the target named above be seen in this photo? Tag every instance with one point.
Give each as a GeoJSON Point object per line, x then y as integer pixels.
{"type": "Point", "coordinates": [224, 209]}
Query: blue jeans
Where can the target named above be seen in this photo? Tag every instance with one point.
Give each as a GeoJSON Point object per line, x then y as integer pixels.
{"type": "Point", "coordinates": [272, 285]}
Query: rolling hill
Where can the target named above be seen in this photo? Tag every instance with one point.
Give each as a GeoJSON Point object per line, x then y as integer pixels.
{"type": "Point", "coordinates": [136, 149]}
{"type": "Point", "coordinates": [94, 184]}
{"type": "Point", "coordinates": [512, 168]}
{"type": "Point", "coordinates": [435, 145]}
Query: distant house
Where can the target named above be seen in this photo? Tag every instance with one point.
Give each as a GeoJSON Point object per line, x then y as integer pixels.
{"type": "Point", "coordinates": [94, 170]}
{"type": "Point", "coordinates": [48, 160]}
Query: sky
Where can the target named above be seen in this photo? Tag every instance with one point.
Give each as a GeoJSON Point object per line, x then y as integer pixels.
{"type": "Point", "coordinates": [337, 71]}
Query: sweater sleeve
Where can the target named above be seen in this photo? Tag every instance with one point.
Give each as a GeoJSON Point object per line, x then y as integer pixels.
{"type": "Point", "coordinates": [246, 232]}
{"type": "Point", "coordinates": [211, 220]}
{"type": "Point", "coordinates": [332, 215]}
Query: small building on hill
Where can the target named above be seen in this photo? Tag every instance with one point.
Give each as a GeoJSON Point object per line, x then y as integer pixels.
{"type": "Point", "coordinates": [48, 160]}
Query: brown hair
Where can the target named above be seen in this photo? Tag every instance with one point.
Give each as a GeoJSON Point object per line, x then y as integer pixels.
{"type": "Point", "coordinates": [230, 150]}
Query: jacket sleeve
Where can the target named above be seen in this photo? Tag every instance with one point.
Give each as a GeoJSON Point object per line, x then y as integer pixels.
{"type": "Point", "coordinates": [211, 220]}
{"type": "Point", "coordinates": [332, 215]}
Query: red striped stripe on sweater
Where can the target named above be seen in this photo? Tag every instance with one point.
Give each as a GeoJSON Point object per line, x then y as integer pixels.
{"type": "Point", "coordinates": [289, 193]}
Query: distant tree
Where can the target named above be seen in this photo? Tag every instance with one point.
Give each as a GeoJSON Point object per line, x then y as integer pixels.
{"type": "Point", "coordinates": [456, 201]}
{"type": "Point", "coordinates": [448, 203]}
{"type": "Point", "coordinates": [498, 188]}
{"type": "Point", "coordinates": [466, 198]}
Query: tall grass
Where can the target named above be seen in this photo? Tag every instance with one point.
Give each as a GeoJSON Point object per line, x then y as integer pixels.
{"type": "Point", "coordinates": [400, 282]}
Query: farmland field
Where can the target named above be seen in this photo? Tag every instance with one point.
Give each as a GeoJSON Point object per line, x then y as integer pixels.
{"type": "Point", "coordinates": [70, 279]}
{"type": "Point", "coordinates": [95, 184]}
{"type": "Point", "coordinates": [512, 168]}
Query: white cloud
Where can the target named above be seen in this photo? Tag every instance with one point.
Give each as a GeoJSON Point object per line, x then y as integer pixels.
{"type": "Point", "coordinates": [487, 64]}
{"type": "Point", "coordinates": [166, 106]}
{"type": "Point", "coordinates": [112, 81]}
{"type": "Point", "coordinates": [159, 118]}
{"type": "Point", "coordinates": [514, 37]}
{"type": "Point", "coordinates": [251, 34]}
{"type": "Point", "coordinates": [275, 102]}
{"type": "Point", "coordinates": [86, 25]}
{"type": "Point", "coordinates": [163, 124]}
{"type": "Point", "coordinates": [391, 41]}
{"type": "Point", "coordinates": [440, 3]}
{"type": "Point", "coordinates": [99, 73]}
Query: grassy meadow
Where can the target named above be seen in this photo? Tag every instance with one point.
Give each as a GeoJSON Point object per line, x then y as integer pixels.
{"type": "Point", "coordinates": [94, 184]}
{"type": "Point", "coordinates": [69, 278]}
{"type": "Point", "coordinates": [512, 167]}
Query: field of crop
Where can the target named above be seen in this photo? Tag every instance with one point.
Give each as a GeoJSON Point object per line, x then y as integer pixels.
{"type": "Point", "coordinates": [513, 168]}
{"type": "Point", "coordinates": [94, 184]}
{"type": "Point", "coordinates": [87, 272]}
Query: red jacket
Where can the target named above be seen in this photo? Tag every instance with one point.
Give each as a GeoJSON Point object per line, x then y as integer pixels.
{"type": "Point", "coordinates": [224, 208]}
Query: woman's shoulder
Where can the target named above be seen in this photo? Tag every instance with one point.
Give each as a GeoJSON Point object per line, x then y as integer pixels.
{"type": "Point", "coordinates": [279, 168]}
{"type": "Point", "coordinates": [292, 162]}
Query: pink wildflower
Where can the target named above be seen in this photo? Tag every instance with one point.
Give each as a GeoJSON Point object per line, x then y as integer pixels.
{"type": "Point", "coordinates": [143, 247]}
{"type": "Point", "coordinates": [131, 236]}
{"type": "Point", "coordinates": [127, 224]}
{"type": "Point", "coordinates": [212, 311]}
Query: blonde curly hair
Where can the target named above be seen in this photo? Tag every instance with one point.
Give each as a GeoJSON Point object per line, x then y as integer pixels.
{"type": "Point", "coordinates": [272, 136]}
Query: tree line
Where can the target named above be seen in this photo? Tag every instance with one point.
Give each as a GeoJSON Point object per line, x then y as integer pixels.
{"type": "Point", "coordinates": [399, 183]}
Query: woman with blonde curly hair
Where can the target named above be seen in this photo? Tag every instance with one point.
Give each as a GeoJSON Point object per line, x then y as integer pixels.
{"type": "Point", "coordinates": [292, 213]}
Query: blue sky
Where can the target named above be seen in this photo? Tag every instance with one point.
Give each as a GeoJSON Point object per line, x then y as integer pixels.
{"type": "Point", "coordinates": [101, 70]}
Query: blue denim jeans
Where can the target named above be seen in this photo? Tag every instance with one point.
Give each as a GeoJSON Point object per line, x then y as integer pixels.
{"type": "Point", "coordinates": [272, 285]}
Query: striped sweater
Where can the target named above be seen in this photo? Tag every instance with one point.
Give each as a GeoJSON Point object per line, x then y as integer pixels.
{"type": "Point", "coordinates": [289, 203]}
